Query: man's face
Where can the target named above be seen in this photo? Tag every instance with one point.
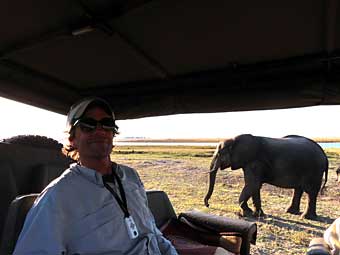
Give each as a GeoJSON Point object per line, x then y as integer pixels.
{"type": "Point", "coordinates": [96, 144]}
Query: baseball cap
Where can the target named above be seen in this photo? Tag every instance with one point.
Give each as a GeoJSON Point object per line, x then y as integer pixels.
{"type": "Point", "coordinates": [78, 109]}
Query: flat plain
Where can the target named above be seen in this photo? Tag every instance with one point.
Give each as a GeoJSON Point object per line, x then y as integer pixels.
{"type": "Point", "coordinates": [182, 172]}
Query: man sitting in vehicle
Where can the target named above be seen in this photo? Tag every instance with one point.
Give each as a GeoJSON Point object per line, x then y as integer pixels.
{"type": "Point", "coordinates": [96, 206]}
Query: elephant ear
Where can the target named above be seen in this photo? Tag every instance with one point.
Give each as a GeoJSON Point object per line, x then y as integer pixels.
{"type": "Point", "coordinates": [225, 153]}
{"type": "Point", "coordinates": [221, 158]}
{"type": "Point", "coordinates": [245, 150]}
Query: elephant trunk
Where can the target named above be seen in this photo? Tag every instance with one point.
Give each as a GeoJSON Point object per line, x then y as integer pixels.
{"type": "Point", "coordinates": [212, 177]}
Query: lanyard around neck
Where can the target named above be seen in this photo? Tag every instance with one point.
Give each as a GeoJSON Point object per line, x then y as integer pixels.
{"type": "Point", "coordinates": [122, 202]}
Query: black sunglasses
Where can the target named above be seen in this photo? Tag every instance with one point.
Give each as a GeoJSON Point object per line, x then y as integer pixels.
{"type": "Point", "coordinates": [89, 125]}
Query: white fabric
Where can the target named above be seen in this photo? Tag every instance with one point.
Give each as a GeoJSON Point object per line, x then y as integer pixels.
{"type": "Point", "coordinates": [76, 214]}
{"type": "Point", "coordinates": [332, 237]}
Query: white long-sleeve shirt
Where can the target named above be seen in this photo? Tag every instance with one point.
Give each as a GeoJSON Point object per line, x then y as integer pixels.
{"type": "Point", "coordinates": [76, 214]}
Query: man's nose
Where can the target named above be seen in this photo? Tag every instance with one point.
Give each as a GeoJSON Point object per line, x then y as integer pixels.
{"type": "Point", "coordinates": [99, 128]}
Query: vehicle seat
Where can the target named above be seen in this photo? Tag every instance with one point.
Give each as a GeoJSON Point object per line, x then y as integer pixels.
{"type": "Point", "coordinates": [26, 169]}
{"type": "Point", "coordinates": [16, 216]}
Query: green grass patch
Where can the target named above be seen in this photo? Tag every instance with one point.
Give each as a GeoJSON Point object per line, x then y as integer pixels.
{"type": "Point", "coordinates": [157, 152]}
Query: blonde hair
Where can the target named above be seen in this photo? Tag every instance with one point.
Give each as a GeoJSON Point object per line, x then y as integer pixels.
{"type": "Point", "coordinates": [68, 150]}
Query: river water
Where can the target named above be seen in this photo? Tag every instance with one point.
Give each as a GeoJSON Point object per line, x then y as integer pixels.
{"type": "Point", "coordinates": [329, 145]}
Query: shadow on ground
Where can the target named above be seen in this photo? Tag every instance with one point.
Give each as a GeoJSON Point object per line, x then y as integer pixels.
{"type": "Point", "coordinates": [298, 225]}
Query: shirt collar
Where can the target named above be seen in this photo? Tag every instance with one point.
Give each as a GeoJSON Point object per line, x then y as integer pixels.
{"type": "Point", "coordinates": [88, 173]}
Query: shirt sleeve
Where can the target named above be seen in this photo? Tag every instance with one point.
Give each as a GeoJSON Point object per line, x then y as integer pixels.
{"type": "Point", "coordinates": [332, 237]}
{"type": "Point", "coordinates": [165, 246]}
{"type": "Point", "coordinates": [43, 230]}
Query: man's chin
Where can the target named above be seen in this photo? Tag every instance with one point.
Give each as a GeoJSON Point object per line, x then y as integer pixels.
{"type": "Point", "coordinates": [101, 149]}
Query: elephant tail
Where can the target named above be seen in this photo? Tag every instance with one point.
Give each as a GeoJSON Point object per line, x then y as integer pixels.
{"type": "Point", "coordinates": [326, 176]}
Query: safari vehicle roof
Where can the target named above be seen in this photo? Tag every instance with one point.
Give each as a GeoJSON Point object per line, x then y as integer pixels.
{"type": "Point", "coordinates": [150, 58]}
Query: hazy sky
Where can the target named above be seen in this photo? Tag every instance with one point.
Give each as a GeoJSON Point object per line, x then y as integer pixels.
{"type": "Point", "coordinates": [322, 121]}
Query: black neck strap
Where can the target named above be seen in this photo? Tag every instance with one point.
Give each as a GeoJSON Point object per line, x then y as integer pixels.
{"type": "Point", "coordinates": [122, 199]}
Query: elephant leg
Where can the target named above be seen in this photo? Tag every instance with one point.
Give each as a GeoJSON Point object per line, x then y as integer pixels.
{"type": "Point", "coordinates": [257, 202]}
{"type": "Point", "coordinates": [243, 202]}
{"type": "Point", "coordinates": [294, 207]}
{"type": "Point", "coordinates": [310, 212]}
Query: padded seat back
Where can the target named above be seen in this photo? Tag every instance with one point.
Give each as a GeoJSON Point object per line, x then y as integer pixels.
{"type": "Point", "coordinates": [44, 174]}
{"type": "Point", "coordinates": [160, 207]}
{"type": "Point", "coordinates": [15, 221]}
{"type": "Point", "coordinates": [8, 190]}
{"type": "Point", "coordinates": [26, 169]}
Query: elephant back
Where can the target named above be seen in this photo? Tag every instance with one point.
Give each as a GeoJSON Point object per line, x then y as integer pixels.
{"type": "Point", "coordinates": [318, 150]}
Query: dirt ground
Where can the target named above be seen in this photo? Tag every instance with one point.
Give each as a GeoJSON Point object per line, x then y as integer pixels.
{"type": "Point", "coordinates": [184, 177]}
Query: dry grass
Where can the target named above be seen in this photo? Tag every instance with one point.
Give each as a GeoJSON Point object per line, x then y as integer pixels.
{"type": "Point", "coordinates": [182, 173]}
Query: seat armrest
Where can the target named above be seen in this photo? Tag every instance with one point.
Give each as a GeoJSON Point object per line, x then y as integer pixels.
{"type": "Point", "coordinates": [318, 246]}
{"type": "Point", "coordinates": [222, 225]}
{"type": "Point", "coordinates": [189, 239]}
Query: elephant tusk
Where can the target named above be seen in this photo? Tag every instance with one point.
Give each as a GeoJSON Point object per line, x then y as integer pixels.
{"type": "Point", "coordinates": [214, 170]}
{"type": "Point", "coordinates": [210, 171]}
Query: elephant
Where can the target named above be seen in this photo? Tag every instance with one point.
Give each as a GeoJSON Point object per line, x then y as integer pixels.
{"type": "Point", "coordinates": [293, 161]}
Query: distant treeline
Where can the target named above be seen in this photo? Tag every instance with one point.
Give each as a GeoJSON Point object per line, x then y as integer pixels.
{"type": "Point", "coordinates": [209, 140]}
